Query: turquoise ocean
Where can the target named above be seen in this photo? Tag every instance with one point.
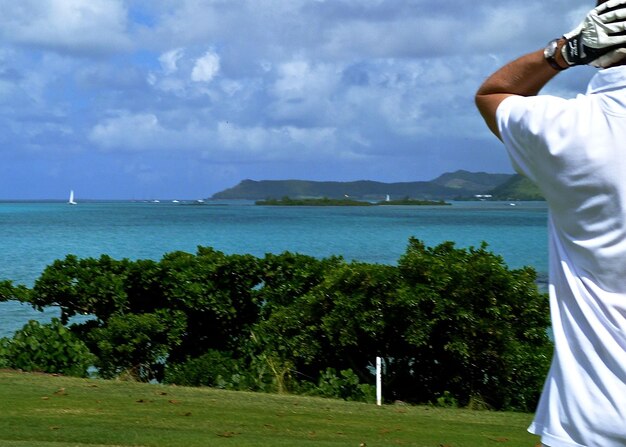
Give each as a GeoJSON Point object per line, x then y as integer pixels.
{"type": "Point", "coordinates": [33, 235]}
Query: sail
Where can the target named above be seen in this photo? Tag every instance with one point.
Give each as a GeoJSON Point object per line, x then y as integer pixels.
{"type": "Point", "coordinates": [71, 201]}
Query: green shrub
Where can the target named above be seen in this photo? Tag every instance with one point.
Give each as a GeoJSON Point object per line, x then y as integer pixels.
{"type": "Point", "coordinates": [135, 346]}
{"type": "Point", "coordinates": [4, 361]}
{"type": "Point", "coordinates": [447, 400]}
{"type": "Point", "coordinates": [215, 369]}
{"type": "Point", "coordinates": [454, 326]}
{"type": "Point", "coordinates": [344, 386]}
{"type": "Point", "coordinates": [49, 348]}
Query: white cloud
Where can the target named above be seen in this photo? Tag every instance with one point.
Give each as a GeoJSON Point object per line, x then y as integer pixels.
{"type": "Point", "coordinates": [129, 132]}
{"type": "Point", "coordinates": [283, 144]}
{"type": "Point", "coordinates": [309, 83]}
{"type": "Point", "coordinates": [170, 59]}
{"type": "Point", "coordinates": [73, 26]}
{"type": "Point", "coordinates": [298, 78]}
{"type": "Point", "coordinates": [231, 87]}
{"type": "Point", "coordinates": [206, 67]}
{"type": "Point", "coordinates": [187, 77]}
{"type": "Point", "coordinates": [305, 92]}
{"type": "Point", "coordinates": [223, 141]}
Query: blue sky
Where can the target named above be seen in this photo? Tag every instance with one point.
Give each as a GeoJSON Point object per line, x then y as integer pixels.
{"type": "Point", "coordinates": [144, 99]}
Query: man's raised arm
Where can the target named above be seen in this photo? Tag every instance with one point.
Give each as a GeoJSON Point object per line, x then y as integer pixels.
{"type": "Point", "coordinates": [525, 76]}
{"type": "Point", "coordinates": [599, 41]}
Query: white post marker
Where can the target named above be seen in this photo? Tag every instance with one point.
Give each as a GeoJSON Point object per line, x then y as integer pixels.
{"type": "Point", "coordinates": [379, 385]}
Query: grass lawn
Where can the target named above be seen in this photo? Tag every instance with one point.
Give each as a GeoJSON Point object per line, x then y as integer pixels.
{"type": "Point", "coordinates": [46, 411]}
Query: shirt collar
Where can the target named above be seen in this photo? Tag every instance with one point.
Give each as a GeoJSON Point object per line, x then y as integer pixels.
{"type": "Point", "coordinates": [608, 79]}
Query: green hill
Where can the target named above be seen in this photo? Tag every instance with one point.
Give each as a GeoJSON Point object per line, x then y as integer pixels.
{"type": "Point", "coordinates": [477, 182]}
{"type": "Point", "coordinates": [517, 187]}
{"type": "Point", "coordinates": [449, 186]}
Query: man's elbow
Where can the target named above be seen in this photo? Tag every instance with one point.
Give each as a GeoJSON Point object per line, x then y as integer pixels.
{"type": "Point", "coordinates": [479, 102]}
{"type": "Point", "coordinates": [487, 108]}
{"type": "Point", "coordinates": [487, 104]}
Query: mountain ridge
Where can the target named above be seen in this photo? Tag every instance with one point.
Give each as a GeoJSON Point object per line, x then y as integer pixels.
{"type": "Point", "coordinates": [461, 185]}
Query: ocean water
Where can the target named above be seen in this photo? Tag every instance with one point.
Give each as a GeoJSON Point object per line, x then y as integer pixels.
{"type": "Point", "coordinates": [32, 235]}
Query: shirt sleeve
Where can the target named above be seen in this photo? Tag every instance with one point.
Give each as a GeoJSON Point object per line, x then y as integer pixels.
{"type": "Point", "coordinates": [529, 126]}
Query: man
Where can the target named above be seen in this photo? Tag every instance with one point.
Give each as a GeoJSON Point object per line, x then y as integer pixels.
{"type": "Point", "coordinates": [575, 151]}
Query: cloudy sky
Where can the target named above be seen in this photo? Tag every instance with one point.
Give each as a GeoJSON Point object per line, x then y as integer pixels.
{"type": "Point", "coordinates": [132, 99]}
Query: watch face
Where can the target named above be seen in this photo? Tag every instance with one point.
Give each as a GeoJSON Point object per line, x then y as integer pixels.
{"type": "Point", "coordinates": [550, 50]}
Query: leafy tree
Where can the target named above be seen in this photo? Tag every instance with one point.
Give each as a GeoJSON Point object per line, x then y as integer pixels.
{"type": "Point", "coordinates": [484, 322]}
{"type": "Point", "coordinates": [285, 340]}
{"type": "Point", "coordinates": [9, 292]}
{"type": "Point", "coordinates": [136, 345]}
{"type": "Point", "coordinates": [450, 323]}
{"type": "Point", "coordinates": [354, 301]}
{"type": "Point", "coordinates": [83, 287]}
{"type": "Point", "coordinates": [290, 275]}
{"type": "Point", "coordinates": [144, 286]}
{"type": "Point", "coordinates": [214, 292]}
{"type": "Point", "coordinates": [340, 322]}
{"type": "Point", "coordinates": [217, 293]}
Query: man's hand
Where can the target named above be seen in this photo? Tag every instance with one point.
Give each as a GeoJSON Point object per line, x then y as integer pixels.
{"type": "Point", "coordinates": [600, 40]}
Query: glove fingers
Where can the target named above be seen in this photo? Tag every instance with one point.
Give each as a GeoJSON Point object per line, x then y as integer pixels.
{"type": "Point", "coordinates": [603, 33]}
{"type": "Point", "coordinates": [611, 41]}
{"type": "Point", "coordinates": [612, 28]}
{"type": "Point", "coordinates": [610, 58]}
{"type": "Point", "coordinates": [613, 16]}
{"type": "Point", "coordinates": [609, 5]}
{"type": "Point", "coordinates": [599, 34]}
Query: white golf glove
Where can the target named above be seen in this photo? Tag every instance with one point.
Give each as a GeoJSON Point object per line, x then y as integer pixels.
{"type": "Point", "coordinates": [600, 40]}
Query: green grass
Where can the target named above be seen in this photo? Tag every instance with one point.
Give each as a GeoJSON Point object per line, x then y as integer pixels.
{"type": "Point", "coordinates": [39, 410]}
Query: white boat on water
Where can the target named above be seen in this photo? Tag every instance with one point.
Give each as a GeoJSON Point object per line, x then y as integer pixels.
{"type": "Point", "coordinates": [71, 201]}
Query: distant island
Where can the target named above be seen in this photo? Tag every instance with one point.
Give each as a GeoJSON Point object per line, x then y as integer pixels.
{"type": "Point", "coordinates": [325, 201]}
{"type": "Point", "coordinates": [458, 185]}
{"type": "Point", "coordinates": [413, 202]}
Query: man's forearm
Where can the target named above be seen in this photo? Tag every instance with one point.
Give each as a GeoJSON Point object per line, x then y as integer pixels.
{"type": "Point", "coordinates": [525, 76]}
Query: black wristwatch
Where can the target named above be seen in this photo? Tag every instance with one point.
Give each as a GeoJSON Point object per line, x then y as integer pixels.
{"type": "Point", "coordinates": [549, 53]}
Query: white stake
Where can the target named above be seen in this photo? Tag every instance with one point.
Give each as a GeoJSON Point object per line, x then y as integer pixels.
{"type": "Point", "coordinates": [379, 384]}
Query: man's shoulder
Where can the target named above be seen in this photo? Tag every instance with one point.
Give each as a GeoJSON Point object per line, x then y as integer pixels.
{"type": "Point", "coordinates": [610, 79]}
{"type": "Point", "coordinates": [534, 111]}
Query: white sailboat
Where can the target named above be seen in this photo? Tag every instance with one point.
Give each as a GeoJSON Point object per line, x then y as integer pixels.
{"type": "Point", "coordinates": [71, 201]}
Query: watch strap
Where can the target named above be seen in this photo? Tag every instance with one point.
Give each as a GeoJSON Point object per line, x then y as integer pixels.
{"type": "Point", "coordinates": [552, 61]}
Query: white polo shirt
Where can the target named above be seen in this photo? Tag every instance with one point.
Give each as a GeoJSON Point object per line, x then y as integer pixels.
{"type": "Point", "coordinates": [575, 151]}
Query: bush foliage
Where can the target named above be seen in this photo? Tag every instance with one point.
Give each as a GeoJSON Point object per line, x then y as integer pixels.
{"type": "Point", "coordinates": [48, 348]}
{"type": "Point", "coordinates": [447, 321]}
